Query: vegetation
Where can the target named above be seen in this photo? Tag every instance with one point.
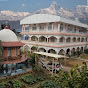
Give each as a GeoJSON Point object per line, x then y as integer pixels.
{"type": "Point", "coordinates": [84, 56]}
{"type": "Point", "coordinates": [16, 84]}
{"type": "Point", "coordinates": [76, 78]}
{"type": "Point", "coordinates": [49, 84]}
{"type": "Point", "coordinates": [86, 51]}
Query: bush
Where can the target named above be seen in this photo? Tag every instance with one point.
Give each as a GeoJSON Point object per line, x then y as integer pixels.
{"type": "Point", "coordinates": [49, 84]}
{"type": "Point", "coordinates": [29, 79]}
{"type": "Point", "coordinates": [16, 84]}
{"type": "Point", "coordinates": [3, 84]}
{"type": "Point", "coordinates": [86, 51]}
{"type": "Point", "coordinates": [40, 78]}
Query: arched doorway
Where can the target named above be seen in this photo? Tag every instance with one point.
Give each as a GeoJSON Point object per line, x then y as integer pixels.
{"type": "Point", "coordinates": [61, 52]}
{"type": "Point", "coordinates": [62, 39]}
{"type": "Point", "coordinates": [68, 52]}
{"type": "Point", "coordinates": [42, 50]}
{"type": "Point", "coordinates": [52, 51]}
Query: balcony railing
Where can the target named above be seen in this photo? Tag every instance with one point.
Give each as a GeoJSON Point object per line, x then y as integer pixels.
{"type": "Point", "coordinates": [54, 43]}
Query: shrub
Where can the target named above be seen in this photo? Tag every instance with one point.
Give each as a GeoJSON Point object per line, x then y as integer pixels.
{"type": "Point", "coordinates": [3, 84]}
{"type": "Point", "coordinates": [86, 51]}
{"type": "Point", "coordinates": [49, 84]}
{"type": "Point", "coordinates": [29, 79]}
{"type": "Point", "coordinates": [16, 84]}
{"type": "Point", "coordinates": [40, 78]}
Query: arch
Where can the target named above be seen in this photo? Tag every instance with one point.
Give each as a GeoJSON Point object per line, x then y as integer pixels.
{"type": "Point", "coordinates": [68, 39]}
{"type": "Point", "coordinates": [68, 51]}
{"type": "Point", "coordinates": [73, 50]}
{"type": "Point", "coordinates": [74, 39]}
{"type": "Point", "coordinates": [42, 50]}
{"type": "Point", "coordinates": [78, 39]}
{"type": "Point", "coordinates": [52, 51]}
{"type": "Point", "coordinates": [52, 39]}
{"type": "Point", "coordinates": [34, 38]}
{"type": "Point", "coordinates": [26, 37]}
{"type": "Point", "coordinates": [61, 52]}
{"type": "Point", "coordinates": [26, 48]}
{"type": "Point", "coordinates": [62, 39]}
{"type": "Point", "coordinates": [78, 49]}
{"type": "Point", "coordinates": [86, 39]}
{"type": "Point", "coordinates": [42, 39]}
{"type": "Point", "coordinates": [82, 39]}
{"type": "Point", "coordinates": [82, 50]}
{"type": "Point", "coordinates": [33, 48]}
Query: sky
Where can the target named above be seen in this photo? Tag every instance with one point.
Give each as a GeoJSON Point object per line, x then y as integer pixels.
{"type": "Point", "coordinates": [34, 5]}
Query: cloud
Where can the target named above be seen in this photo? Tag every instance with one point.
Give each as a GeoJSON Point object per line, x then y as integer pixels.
{"type": "Point", "coordinates": [23, 5]}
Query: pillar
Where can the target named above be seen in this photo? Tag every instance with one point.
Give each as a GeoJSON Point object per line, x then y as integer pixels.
{"type": "Point", "coordinates": [58, 27]}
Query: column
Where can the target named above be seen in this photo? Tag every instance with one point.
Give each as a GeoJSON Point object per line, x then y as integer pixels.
{"type": "Point", "coordinates": [37, 27]}
{"type": "Point", "coordinates": [29, 27]}
{"type": "Point", "coordinates": [22, 28]}
{"type": "Point", "coordinates": [58, 27]}
{"type": "Point", "coordinates": [72, 29]}
{"type": "Point", "coordinates": [52, 26]}
{"type": "Point", "coordinates": [65, 27]}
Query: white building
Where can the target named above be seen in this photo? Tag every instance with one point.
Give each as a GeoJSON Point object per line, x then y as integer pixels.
{"type": "Point", "coordinates": [54, 34]}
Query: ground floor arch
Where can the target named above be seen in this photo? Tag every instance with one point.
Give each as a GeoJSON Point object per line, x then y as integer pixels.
{"type": "Point", "coordinates": [52, 51]}
{"type": "Point", "coordinates": [41, 50]}
{"type": "Point", "coordinates": [61, 52]}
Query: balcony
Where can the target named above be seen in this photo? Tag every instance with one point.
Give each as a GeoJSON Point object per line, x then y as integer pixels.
{"type": "Point", "coordinates": [54, 43]}
{"type": "Point", "coordinates": [13, 60]}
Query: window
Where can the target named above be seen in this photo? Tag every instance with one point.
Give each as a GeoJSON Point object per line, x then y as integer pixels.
{"type": "Point", "coordinates": [34, 28]}
{"type": "Point", "coordinates": [9, 52]}
{"type": "Point", "coordinates": [61, 27]}
{"type": "Point", "coordinates": [50, 26]}
{"type": "Point", "coordinates": [75, 29]}
{"type": "Point", "coordinates": [26, 28]}
{"type": "Point", "coordinates": [82, 30]}
{"type": "Point", "coordinates": [69, 28]}
{"type": "Point", "coordinates": [41, 27]}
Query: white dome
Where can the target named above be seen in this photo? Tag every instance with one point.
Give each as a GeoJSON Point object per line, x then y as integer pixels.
{"type": "Point", "coordinates": [8, 35]}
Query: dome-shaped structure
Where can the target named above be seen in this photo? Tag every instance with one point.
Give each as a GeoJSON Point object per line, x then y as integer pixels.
{"type": "Point", "coordinates": [7, 35]}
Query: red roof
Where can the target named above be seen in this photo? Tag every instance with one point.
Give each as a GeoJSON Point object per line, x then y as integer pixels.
{"type": "Point", "coordinates": [12, 44]}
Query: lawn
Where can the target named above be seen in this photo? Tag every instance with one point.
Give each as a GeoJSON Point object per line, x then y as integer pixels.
{"type": "Point", "coordinates": [84, 56]}
{"type": "Point", "coordinates": [74, 62]}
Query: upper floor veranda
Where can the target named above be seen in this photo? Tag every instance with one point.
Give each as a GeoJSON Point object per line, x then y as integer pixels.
{"type": "Point", "coordinates": [50, 24]}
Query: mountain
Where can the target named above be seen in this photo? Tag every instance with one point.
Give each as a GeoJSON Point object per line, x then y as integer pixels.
{"type": "Point", "coordinates": [55, 9]}
{"type": "Point", "coordinates": [12, 16]}
{"type": "Point", "coordinates": [80, 13]}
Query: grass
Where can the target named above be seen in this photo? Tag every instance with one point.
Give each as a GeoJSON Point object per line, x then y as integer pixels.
{"type": "Point", "coordinates": [84, 56]}
{"type": "Point", "coordinates": [74, 62]}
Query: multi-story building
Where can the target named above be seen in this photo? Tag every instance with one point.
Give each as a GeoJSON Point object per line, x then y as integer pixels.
{"type": "Point", "coordinates": [54, 34]}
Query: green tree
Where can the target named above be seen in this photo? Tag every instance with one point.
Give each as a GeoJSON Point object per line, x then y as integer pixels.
{"type": "Point", "coordinates": [76, 78]}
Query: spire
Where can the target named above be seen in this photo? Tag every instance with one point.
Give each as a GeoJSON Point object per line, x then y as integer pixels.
{"type": "Point", "coordinates": [6, 27]}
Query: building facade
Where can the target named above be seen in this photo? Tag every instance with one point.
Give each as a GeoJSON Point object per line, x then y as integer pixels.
{"type": "Point", "coordinates": [10, 58]}
{"type": "Point", "coordinates": [53, 34]}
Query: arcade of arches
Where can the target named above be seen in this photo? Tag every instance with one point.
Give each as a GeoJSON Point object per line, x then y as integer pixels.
{"type": "Point", "coordinates": [67, 51]}
{"type": "Point", "coordinates": [54, 39]}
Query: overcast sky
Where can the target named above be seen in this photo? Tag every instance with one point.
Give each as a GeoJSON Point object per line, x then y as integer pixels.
{"type": "Point", "coordinates": [33, 5]}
